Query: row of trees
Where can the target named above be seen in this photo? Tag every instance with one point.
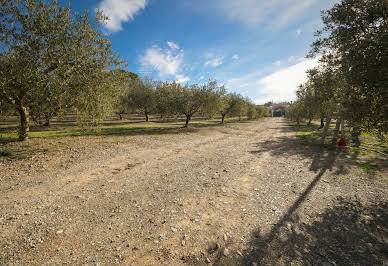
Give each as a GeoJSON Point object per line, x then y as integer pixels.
{"type": "Point", "coordinates": [53, 60]}
{"type": "Point", "coordinates": [352, 76]}
{"type": "Point", "coordinates": [147, 96]}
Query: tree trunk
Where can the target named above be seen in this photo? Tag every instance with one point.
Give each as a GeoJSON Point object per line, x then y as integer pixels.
{"type": "Point", "coordinates": [335, 132]}
{"type": "Point", "coordinates": [188, 118]}
{"type": "Point", "coordinates": [309, 122]}
{"type": "Point", "coordinates": [322, 123]}
{"type": "Point", "coordinates": [24, 126]}
{"type": "Point", "coordinates": [326, 128]}
{"type": "Point", "coordinates": [47, 119]}
{"type": "Point", "coordinates": [120, 116]}
{"type": "Point", "coordinates": [146, 116]}
{"type": "Point", "coordinates": [223, 118]}
{"type": "Point", "coordinates": [355, 136]}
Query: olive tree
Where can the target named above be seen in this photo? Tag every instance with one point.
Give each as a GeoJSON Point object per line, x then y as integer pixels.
{"type": "Point", "coordinates": [261, 111]}
{"type": "Point", "coordinates": [50, 51]}
{"type": "Point", "coordinates": [354, 41]}
{"type": "Point", "coordinates": [129, 79]}
{"type": "Point", "coordinates": [251, 111]}
{"type": "Point", "coordinates": [187, 100]}
{"type": "Point", "coordinates": [232, 105]}
{"type": "Point", "coordinates": [142, 96]}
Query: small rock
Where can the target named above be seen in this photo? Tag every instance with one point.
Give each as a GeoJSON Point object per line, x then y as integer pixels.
{"type": "Point", "coordinates": [225, 237]}
{"type": "Point", "coordinates": [183, 243]}
{"type": "Point", "coordinates": [213, 246]}
{"type": "Point", "coordinates": [226, 252]}
{"type": "Point", "coordinates": [254, 264]}
{"type": "Point", "coordinates": [174, 229]}
{"type": "Point", "coordinates": [59, 232]}
{"type": "Point", "coordinates": [239, 253]}
{"type": "Point", "coordinates": [207, 260]}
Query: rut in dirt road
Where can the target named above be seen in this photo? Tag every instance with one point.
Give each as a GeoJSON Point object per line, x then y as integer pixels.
{"type": "Point", "coordinates": [240, 194]}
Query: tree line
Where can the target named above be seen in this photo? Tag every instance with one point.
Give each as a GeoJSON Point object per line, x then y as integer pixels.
{"type": "Point", "coordinates": [352, 76]}
{"type": "Point", "coordinates": [147, 96]}
{"type": "Point", "coordinates": [54, 60]}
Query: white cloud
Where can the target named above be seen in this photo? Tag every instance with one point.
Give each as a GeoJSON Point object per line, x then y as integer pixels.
{"type": "Point", "coordinates": [215, 62]}
{"type": "Point", "coordinates": [294, 59]}
{"type": "Point", "coordinates": [277, 63]}
{"type": "Point", "coordinates": [173, 45]}
{"type": "Point", "coordinates": [275, 13]}
{"type": "Point", "coordinates": [201, 77]}
{"type": "Point", "coordinates": [298, 32]}
{"type": "Point", "coordinates": [271, 83]}
{"type": "Point", "coordinates": [235, 57]}
{"type": "Point", "coordinates": [282, 84]}
{"type": "Point", "coordinates": [291, 59]}
{"type": "Point", "coordinates": [120, 11]}
{"type": "Point", "coordinates": [167, 63]}
{"type": "Point", "coordinates": [181, 78]}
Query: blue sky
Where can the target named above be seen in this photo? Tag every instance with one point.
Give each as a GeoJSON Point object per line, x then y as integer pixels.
{"type": "Point", "coordinates": [254, 47]}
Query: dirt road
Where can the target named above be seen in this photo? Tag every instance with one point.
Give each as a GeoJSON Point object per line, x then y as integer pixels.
{"type": "Point", "coordinates": [246, 194]}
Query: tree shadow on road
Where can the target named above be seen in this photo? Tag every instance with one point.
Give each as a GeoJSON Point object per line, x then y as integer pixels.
{"type": "Point", "coordinates": [346, 233]}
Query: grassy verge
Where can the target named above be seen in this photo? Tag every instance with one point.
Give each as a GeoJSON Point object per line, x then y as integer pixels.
{"type": "Point", "coordinates": [60, 129]}
{"type": "Point", "coordinates": [367, 160]}
{"type": "Point", "coordinates": [312, 136]}
{"type": "Point", "coordinates": [67, 134]}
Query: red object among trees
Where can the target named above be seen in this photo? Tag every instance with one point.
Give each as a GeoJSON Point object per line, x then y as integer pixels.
{"type": "Point", "coordinates": [342, 143]}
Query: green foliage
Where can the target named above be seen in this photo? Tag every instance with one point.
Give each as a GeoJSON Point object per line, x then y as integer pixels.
{"type": "Point", "coordinates": [141, 96]}
{"type": "Point", "coordinates": [296, 112]}
{"type": "Point", "coordinates": [53, 58]}
{"type": "Point", "coordinates": [261, 111]}
{"type": "Point", "coordinates": [251, 111]}
{"type": "Point", "coordinates": [189, 100]}
{"type": "Point", "coordinates": [354, 42]}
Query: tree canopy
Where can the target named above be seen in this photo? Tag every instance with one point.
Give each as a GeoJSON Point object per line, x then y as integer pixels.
{"type": "Point", "coordinates": [53, 57]}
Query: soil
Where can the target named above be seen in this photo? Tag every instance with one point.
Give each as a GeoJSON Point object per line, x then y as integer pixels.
{"type": "Point", "coordinates": [241, 194]}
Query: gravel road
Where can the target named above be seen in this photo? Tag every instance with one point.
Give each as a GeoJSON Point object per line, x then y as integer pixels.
{"type": "Point", "coordinates": [241, 194]}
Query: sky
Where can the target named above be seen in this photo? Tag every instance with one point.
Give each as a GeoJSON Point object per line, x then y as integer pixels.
{"type": "Point", "coordinates": [254, 47]}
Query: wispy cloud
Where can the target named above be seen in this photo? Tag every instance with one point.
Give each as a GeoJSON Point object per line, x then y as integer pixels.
{"type": "Point", "coordinates": [277, 63]}
{"type": "Point", "coordinates": [167, 62]}
{"type": "Point", "coordinates": [236, 57]}
{"type": "Point", "coordinates": [214, 62]}
{"type": "Point", "coordinates": [282, 84]}
{"type": "Point", "coordinates": [298, 32]}
{"type": "Point", "coordinates": [120, 11]}
{"type": "Point", "coordinates": [274, 13]}
{"type": "Point", "coordinates": [173, 45]}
